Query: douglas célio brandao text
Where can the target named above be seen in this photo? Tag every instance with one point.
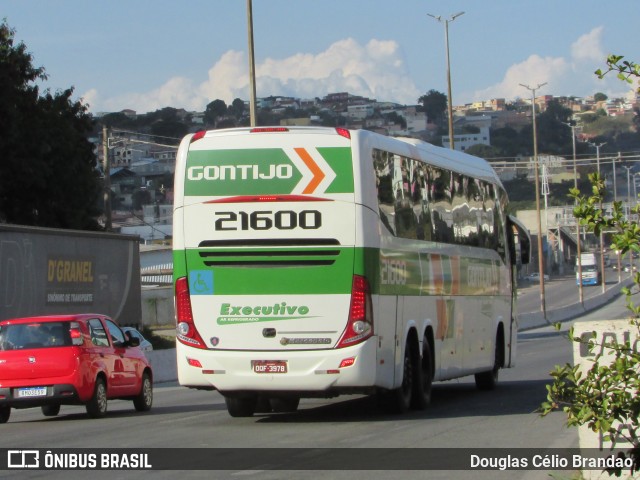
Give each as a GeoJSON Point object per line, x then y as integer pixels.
{"type": "Point", "coordinates": [535, 462]}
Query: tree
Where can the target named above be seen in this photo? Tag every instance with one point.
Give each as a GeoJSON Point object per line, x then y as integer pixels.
{"type": "Point", "coordinates": [47, 165]}
{"type": "Point", "coordinates": [435, 106]}
{"type": "Point", "coordinates": [394, 117]}
{"type": "Point", "coordinates": [553, 134]}
{"type": "Point", "coordinates": [608, 393]}
{"type": "Point", "coordinates": [236, 108]}
{"type": "Point", "coordinates": [483, 151]}
{"type": "Point", "coordinates": [169, 131]}
{"type": "Point", "coordinates": [509, 142]}
{"type": "Point", "coordinates": [600, 97]}
{"type": "Point", "coordinates": [470, 129]}
{"type": "Point", "coordinates": [215, 109]}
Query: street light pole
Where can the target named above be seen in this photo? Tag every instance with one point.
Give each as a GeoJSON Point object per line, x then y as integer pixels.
{"type": "Point", "coordinates": [628, 191]}
{"type": "Point", "coordinates": [602, 273]}
{"type": "Point", "coordinates": [252, 67]}
{"type": "Point", "coordinates": [449, 97]}
{"type": "Point", "coordinates": [598, 153]}
{"type": "Point", "coordinates": [107, 180]}
{"type": "Point", "coordinates": [575, 184]}
{"type": "Point", "coordinates": [573, 138]}
{"type": "Point", "coordinates": [543, 307]}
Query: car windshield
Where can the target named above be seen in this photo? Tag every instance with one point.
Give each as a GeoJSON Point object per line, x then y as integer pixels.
{"type": "Point", "coordinates": [34, 335]}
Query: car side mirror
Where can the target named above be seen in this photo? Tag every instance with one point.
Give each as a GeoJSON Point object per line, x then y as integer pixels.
{"type": "Point", "coordinates": [132, 341]}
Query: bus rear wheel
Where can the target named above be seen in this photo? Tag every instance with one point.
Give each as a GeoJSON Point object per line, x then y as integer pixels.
{"type": "Point", "coordinates": [489, 380]}
{"type": "Point", "coordinates": [423, 378]}
{"type": "Point", "coordinates": [284, 404]}
{"type": "Point", "coordinates": [399, 399]}
{"type": "Point", "coordinates": [241, 406]}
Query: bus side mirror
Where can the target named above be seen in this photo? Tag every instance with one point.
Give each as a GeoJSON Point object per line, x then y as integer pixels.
{"type": "Point", "coordinates": [519, 242]}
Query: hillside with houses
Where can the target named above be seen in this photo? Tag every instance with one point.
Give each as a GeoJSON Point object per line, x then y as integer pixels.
{"type": "Point", "coordinates": [142, 146]}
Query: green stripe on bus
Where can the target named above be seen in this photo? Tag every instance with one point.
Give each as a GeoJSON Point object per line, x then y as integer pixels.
{"type": "Point", "coordinates": [269, 274]}
{"type": "Point", "coordinates": [340, 161]}
{"type": "Point", "coordinates": [390, 272]}
{"type": "Point", "coordinates": [179, 264]}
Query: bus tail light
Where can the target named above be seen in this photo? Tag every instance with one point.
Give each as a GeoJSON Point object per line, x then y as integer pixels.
{"type": "Point", "coordinates": [186, 331]}
{"type": "Point", "coordinates": [198, 135]}
{"type": "Point", "coordinates": [360, 324]}
{"type": "Point", "coordinates": [344, 132]}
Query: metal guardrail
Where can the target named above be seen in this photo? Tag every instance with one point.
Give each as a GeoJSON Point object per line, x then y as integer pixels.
{"type": "Point", "coordinates": [157, 275]}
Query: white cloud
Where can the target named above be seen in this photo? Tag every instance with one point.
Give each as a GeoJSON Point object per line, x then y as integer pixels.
{"type": "Point", "coordinates": [589, 47]}
{"type": "Point", "coordinates": [534, 71]}
{"type": "Point", "coordinates": [375, 70]}
{"type": "Point", "coordinates": [563, 76]}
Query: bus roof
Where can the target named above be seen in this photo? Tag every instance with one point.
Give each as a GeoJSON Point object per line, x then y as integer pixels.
{"type": "Point", "coordinates": [454, 160]}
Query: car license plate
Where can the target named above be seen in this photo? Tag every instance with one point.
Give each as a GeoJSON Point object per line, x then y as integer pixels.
{"type": "Point", "coordinates": [32, 392]}
{"type": "Point", "coordinates": [269, 366]}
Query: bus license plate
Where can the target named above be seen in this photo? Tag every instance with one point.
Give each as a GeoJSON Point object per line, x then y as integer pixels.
{"type": "Point", "coordinates": [269, 366]}
{"type": "Point", "coordinates": [32, 392]}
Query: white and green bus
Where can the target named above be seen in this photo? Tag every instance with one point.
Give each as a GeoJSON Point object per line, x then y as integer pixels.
{"type": "Point", "coordinates": [314, 262]}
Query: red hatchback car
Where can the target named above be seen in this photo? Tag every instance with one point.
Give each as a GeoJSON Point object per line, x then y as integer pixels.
{"type": "Point", "coordinates": [68, 360]}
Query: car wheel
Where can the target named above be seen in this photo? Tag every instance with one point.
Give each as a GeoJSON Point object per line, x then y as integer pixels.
{"type": "Point", "coordinates": [284, 405]}
{"type": "Point", "coordinates": [144, 400]}
{"type": "Point", "coordinates": [5, 413]}
{"type": "Point", "coordinates": [241, 406]}
{"type": "Point", "coordinates": [50, 410]}
{"type": "Point", "coordinates": [97, 405]}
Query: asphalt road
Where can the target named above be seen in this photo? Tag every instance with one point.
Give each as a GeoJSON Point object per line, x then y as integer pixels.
{"type": "Point", "coordinates": [560, 291]}
{"type": "Point", "coordinates": [460, 417]}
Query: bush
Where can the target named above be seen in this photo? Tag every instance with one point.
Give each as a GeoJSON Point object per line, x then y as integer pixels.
{"type": "Point", "coordinates": [608, 393]}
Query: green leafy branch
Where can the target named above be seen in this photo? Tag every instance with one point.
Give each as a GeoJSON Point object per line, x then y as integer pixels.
{"type": "Point", "coordinates": [627, 71]}
{"type": "Point", "coordinates": [607, 394]}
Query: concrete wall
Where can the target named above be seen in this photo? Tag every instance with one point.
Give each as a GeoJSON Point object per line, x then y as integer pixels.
{"type": "Point", "coordinates": [157, 306]}
{"type": "Point", "coordinates": [163, 364]}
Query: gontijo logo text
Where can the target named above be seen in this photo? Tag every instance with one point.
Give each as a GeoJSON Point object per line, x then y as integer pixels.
{"type": "Point", "coordinates": [239, 172]}
{"type": "Point", "coordinates": [235, 314]}
{"type": "Point", "coordinates": [265, 171]}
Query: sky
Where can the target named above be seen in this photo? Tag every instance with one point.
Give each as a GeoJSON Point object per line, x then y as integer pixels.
{"type": "Point", "coordinates": [149, 54]}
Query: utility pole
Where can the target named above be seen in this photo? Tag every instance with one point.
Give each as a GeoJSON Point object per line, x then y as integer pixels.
{"type": "Point", "coordinates": [449, 97]}
{"type": "Point", "coordinates": [107, 179]}
{"type": "Point", "coordinates": [543, 306]}
{"type": "Point", "coordinates": [573, 138]}
{"type": "Point", "coordinates": [575, 184]}
{"type": "Point", "coordinates": [628, 192]}
{"type": "Point", "coordinates": [601, 239]}
{"type": "Point", "coordinates": [252, 67]}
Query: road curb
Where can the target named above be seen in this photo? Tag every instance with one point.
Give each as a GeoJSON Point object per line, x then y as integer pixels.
{"type": "Point", "coordinates": [527, 321]}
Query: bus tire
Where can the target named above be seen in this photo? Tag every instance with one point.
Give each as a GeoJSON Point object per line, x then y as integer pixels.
{"type": "Point", "coordinates": [263, 405]}
{"type": "Point", "coordinates": [284, 404]}
{"type": "Point", "coordinates": [241, 406]}
{"type": "Point", "coordinates": [423, 378]}
{"type": "Point", "coordinates": [399, 400]}
{"type": "Point", "coordinates": [489, 380]}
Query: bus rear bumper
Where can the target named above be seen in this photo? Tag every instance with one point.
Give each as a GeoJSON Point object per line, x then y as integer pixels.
{"type": "Point", "coordinates": [344, 369]}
